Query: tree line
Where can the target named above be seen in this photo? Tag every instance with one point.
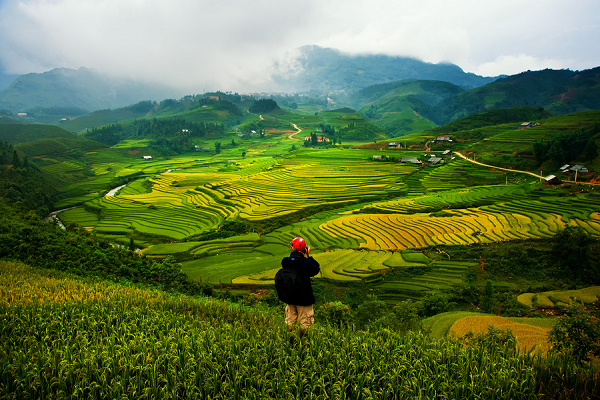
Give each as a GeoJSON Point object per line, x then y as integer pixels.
{"type": "Point", "coordinates": [22, 184]}
{"type": "Point", "coordinates": [569, 146]}
{"type": "Point", "coordinates": [155, 128]}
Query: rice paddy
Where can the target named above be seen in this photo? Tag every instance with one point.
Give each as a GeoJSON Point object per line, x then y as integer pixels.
{"type": "Point", "coordinates": [530, 338]}
{"type": "Point", "coordinates": [361, 217]}
{"type": "Point", "coordinates": [560, 297]}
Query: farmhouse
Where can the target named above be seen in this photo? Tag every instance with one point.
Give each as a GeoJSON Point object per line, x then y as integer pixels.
{"type": "Point", "coordinates": [447, 153]}
{"type": "Point", "coordinates": [525, 125]}
{"type": "Point", "coordinates": [410, 160]}
{"type": "Point", "coordinates": [394, 144]}
{"type": "Point", "coordinates": [552, 180]}
{"type": "Point", "coordinates": [376, 157]}
{"type": "Point", "coordinates": [565, 168]}
{"type": "Point", "coordinates": [319, 139]}
{"type": "Point", "coordinates": [443, 138]}
{"type": "Point", "coordinates": [435, 160]}
{"type": "Point", "coordinates": [579, 169]}
{"type": "Point", "coordinates": [146, 157]}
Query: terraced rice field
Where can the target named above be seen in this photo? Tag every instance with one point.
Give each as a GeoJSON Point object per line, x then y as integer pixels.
{"type": "Point", "coordinates": [441, 275]}
{"type": "Point", "coordinates": [372, 266]}
{"type": "Point", "coordinates": [371, 210]}
{"type": "Point", "coordinates": [529, 337]}
{"type": "Point", "coordinates": [560, 297]}
{"type": "Point", "coordinates": [511, 220]}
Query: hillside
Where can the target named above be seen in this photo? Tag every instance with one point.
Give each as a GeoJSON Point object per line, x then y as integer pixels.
{"type": "Point", "coordinates": [36, 140]}
{"type": "Point", "coordinates": [83, 88]}
{"type": "Point", "coordinates": [403, 107]}
{"type": "Point", "coordinates": [148, 343]}
{"type": "Point", "coordinates": [493, 117]}
{"type": "Point", "coordinates": [6, 80]}
{"type": "Point", "coordinates": [325, 69]}
{"type": "Point", "coordinates": [495, 137]}
{"type": "Point", "coordinates": [558, 91]}
{"type": "Point", "coordinates": [196, 109]}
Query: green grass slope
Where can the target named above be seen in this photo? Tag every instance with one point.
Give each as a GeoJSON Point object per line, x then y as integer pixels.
{"type": "Point", "coordinates": [558, 91]}
{"type": "Point", "coordinates": [36, 140]}
{"type": "Point", "coordinates": [403, 107]}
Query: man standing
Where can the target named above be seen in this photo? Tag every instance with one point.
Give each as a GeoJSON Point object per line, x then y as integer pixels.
{"type": "Point", "coordinates": [293, 286]}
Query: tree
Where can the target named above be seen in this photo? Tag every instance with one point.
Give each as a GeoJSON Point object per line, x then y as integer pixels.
{"type": "Point", "coordinates": [232, 143]}
{"type": "Point", "coordinates": [16, 162]}
{"type": "Point", "coordinates": [571, 251]}
{"type": "Point", "coordinates": [217, 147]}
{"type": "Point", "coordinates": [435, 303]}
{"type": "Point", "coordinates": [577, 333]}
{"type": "Point", "coordinates": [591, 149]}
{"type": "Point", "coordinates": [263, 106]}
{"type": "Point", "coordinates": [489, 299]}
{"type": "Point", "coordinates": [313, 139]}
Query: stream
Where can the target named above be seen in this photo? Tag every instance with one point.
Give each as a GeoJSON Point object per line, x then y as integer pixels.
{"type": "Point", "coordinates": [114, 191]}
{"type": "Point", "coordinates": [53, 216]}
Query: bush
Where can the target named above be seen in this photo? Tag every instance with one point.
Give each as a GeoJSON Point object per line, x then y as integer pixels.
{"type": "Point", "coordinates": [335, 314]}
{"type": "Point", "coordinates": [434, 303]}
{"type": "Point", "coordinates": [576, 333]}
{"type": "Point", "coordinates": [406, 316]}
{"type": "Point", "coordinates": [374, 314]}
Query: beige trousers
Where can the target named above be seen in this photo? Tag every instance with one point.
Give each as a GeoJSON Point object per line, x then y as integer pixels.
{"type": "Point", "coordinates": [305, 315]}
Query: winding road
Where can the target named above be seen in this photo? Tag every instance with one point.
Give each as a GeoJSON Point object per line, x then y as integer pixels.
{"type": "Point", "coordinates": [503, 169]}
{"type": "Point", "coordinates": [294, 134]}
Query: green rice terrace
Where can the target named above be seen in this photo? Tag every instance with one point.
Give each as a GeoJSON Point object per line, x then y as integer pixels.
{"type": "Point", "coordinates": [229, 217]}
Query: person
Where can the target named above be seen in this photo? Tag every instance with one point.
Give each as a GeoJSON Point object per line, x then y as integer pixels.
{"type": "Point", "coordinates": [293, 286]}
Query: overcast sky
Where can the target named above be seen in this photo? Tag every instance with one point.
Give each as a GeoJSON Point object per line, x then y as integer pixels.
{"type": "Point", "coordinates": [192, 43]}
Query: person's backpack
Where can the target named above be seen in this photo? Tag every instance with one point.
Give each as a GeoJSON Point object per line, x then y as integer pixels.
{"type": "Point", "coordinates": [289, 285]}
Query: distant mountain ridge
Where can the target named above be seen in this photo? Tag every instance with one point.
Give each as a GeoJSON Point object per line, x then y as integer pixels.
{"type": "Point", "coordinates": [558, 91]}
{"type": "Point", "coordinates": [6, 80]}
{"type": "Point", "coordinates": [325, 69]}
{"type": "Point", "coordinates": [401, 106]}
{"type": "Point", "coordinates": [82, 88]}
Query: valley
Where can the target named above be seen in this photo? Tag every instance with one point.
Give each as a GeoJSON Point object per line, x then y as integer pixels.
{"type": "Point", "coordinates": [181, 216]}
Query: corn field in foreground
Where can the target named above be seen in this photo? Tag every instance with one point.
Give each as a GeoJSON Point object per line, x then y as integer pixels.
{"type": "Point", "coordinates": [62, 337]}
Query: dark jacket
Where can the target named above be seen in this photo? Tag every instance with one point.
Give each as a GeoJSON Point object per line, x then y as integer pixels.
{"type": "Point", "coordinates": [292, 281]}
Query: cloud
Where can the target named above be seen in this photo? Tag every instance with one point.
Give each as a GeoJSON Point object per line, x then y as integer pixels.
{"type": "Point", "coordinates": [514, 64]}
{"type": "Point", "coordinates": [200, 44]}
{"type": "Point", "coordinates": [188, 42]}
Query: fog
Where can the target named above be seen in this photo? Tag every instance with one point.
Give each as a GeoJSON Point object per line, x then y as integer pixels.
{"type": "Point", "coordinates": [231, 45]}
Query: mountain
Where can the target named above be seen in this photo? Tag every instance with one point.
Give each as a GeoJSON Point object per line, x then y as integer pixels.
{"type": "Point", "coordinates": [324, 69]}
{"type": "Point", "coordinates": [6, 80]}
{"type": "Point", "coordinates": [402, 107]}
{"type": "Point", "coordinates": [83, 88]}
{"type": "Point", "coordinates": [37, 139]}
{"type": "Point", "coordinates": [558, 91]}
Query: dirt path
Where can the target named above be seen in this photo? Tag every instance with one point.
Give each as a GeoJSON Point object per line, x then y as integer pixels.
{"type": "Point", "coordinates": [294, 134]}
{"type": "Point", "coordinates": [519, 171]}
{"type": "Point", "coordinates": [503, 169]}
